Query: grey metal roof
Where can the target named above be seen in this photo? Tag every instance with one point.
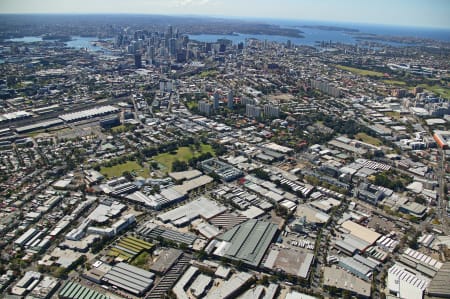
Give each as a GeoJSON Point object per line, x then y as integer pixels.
{"type": "Point", "coordinates": [439, 285]}
{"type": "Point", "coordinates": [249, 240]}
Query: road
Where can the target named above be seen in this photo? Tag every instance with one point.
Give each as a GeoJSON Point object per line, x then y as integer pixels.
{"type": "Point", "coordinates": [442, 204]}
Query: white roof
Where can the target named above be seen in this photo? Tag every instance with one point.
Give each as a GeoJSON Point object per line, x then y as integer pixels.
{"type": "Point", "coordinates": [203, 207]}
{"type": "Point", "coordinates": [297, 295]}
{"type": "Point", "coordinates": [361, 232]}
{"type": "Point", "coordinates": [252, 212]}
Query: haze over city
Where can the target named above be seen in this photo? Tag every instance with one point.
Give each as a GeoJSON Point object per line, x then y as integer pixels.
{"type": "Point", "coordinates": [414, 13]}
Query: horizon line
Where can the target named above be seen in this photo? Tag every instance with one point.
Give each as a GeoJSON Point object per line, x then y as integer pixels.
{"type": "Point", "coordinates": [242, 18]}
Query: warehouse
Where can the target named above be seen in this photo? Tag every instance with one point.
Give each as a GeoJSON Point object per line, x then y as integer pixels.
{"type": "Point", "coordinates": [128, 248]}
{"type": "Point", "coordinates": [73, 290]}
{"type": "Point", "coordinates": [231, 287]}
{"type": "Point", "coordinates": [39, 126]}
{"type": "Point", "coordinates": [185, 175]}
{"type": "Point", "coordinates": [166, 259]}
{"type": "Point", "coordinates": [439, 286]}
{"type": "Point", "coordinates": [193, 184]}
{"type": "Point", "coordinates": [421, 262]}
{"type": "Point", "coordinates": [201, 207]}
{"type": "Point", "coordinates": [27, 236]}
{"type": "Point", "coordinates": [355, 267]}
{"type": "Point", "coordinates": [247, 242]}
{"type": "Point", "coordinates": [225, 171]}
{"type": "Point", "coordinates": [360, 232]}
{"type": "Point", "coordinates": [351, 244]}
{"type": "Point", "coordinates": [180, 288]}
{"type": "Point", "coordinates": [165, 198]}
{"type": "Point", "coordinates": [12, 116]}
{"type": "Point", "coordinates": [341, 279]}
{"type": "Point", "coordinates": [94, 112]}
{"type": "Point", "coordinates": [291, 262]}
{"type": "Point", "coordinates": [129, 278]}
{"type": "Point", "coordinates": [154, 232]}
{"type": "Point", "coordinates": [312, 216]}
{"type": "Point", "coordinates": [405, 284]}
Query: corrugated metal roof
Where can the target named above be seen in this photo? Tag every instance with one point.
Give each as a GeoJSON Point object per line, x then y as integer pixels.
{"type": "Point", "coordinates": [249, 241]}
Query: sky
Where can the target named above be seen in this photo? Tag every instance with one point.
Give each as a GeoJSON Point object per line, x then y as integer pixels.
{"type": "Point", "coordinates": [414, 13]}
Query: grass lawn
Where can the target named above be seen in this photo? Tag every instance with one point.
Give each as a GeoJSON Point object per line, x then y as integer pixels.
{"type": "Point", "coordinates": [117, 170]}
{"type": "Point", "coordinates": [395, 82]}
{"type": "Point", "coordinates": [368, 139]}
{"type": "Point", "coordinates": [211, 73]}
{"type": "Point", "coordinates": [192, 104]}
{"type": "Point", "coordinates": [361, 72]}
{"type": "Point", "coordinates": [118, 129]}
{"type": "Point", "coordinates": [183, 154]}
{"type": "Point", "coordinates": [441, 90]}
{"type": "Point", "coordinates": [142, 260]}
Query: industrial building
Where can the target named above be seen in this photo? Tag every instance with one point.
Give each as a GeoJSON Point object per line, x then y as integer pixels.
{"type": "Point", "coordinates": [355, 267]}
{"type": "Point", "coordinates": [12, 116]}
{"type": "Point", "coordinates": [180, 288]}
{"type": "Point", "coordinates": [311, 215]}
{"type": "Point", "coordinates": [39, 126]}
{"type": "Point", "coordinates": [165, 260]}
{"type": "Point", "coordinates": [351, 245]}
{"type": "Point", "coordinates": [420, 262]}
{"type": "Point", "coordinates": [26, 283]}
{"type": "Point", "coordinates": [129, 278]}
{"type": "Point", "coordinates": [166, 197]}
{"type": "Point", "coordinates": [73, 290]}
{"type": "Point", "coordinates": [128, 248]}
{"type": "Point", "coordinates": [360, 232]}
{"type": "Point", "coordinates": [231, 287]}
{"type": "Point", "coordinates": [45, 288]}
{"type": "Point", "coordinates": [440, 286]}
{"type": "Point", "coordinates": [225, 171]}
{"type": "Point", "coordinates": [154, 232]}
{"type": "Point", "coordinates": [404, 284]}
{"type": "Point", "coordinates": [185, 214]}
{"type": "Point", "coordinates": [194, 184]}
{"type": "Point", "coordinates": [341, 279]}
{"type": "Point", "coordinates": [247, 242]}
{"type": "Point", "coordinates": [291, 262]}
{"type": "Point", "coordinates": [90, 113]}
{"type": "Point", "coordinates": [28, 237]}
{"type": "Point", "coordinates": [185, 175]}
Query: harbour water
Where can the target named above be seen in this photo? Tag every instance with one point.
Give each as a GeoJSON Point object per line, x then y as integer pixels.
{"type": "Point", "coordinates": [77, 42]}
{"type": "Point", "coordinates": [313, 35]}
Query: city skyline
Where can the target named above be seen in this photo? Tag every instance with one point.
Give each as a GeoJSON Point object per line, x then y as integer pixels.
{"type": "Point", "coordinates": [415, 13]}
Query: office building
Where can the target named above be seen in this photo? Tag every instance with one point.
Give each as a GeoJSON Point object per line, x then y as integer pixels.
{"type": "Point", "coordinates": [252, 111]}
{"type": "Point", "coordinates": [205, 108]}
{"type": "Point", "coordinates": [271, 111]}
{"type": "Point", "coordinates": [216, 100]}
{"type": "Point", "coordinates": [138, 61]}
{"type": "Point", "coordinates": [230, 100]}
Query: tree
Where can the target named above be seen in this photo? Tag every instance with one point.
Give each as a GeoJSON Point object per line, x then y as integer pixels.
{"type": "Point", "coordinates": [127, 175]}
{"type": "Point", "coordinates": [99, 244]}
{"type": "Point", "coordinates": [259, 173]}
{"type": "Point", "coordinates": [201, 255]}
{"type": "Point", "coordinates": [178, 165]}
{"type": "Point", "coordinates": [156, 189]}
